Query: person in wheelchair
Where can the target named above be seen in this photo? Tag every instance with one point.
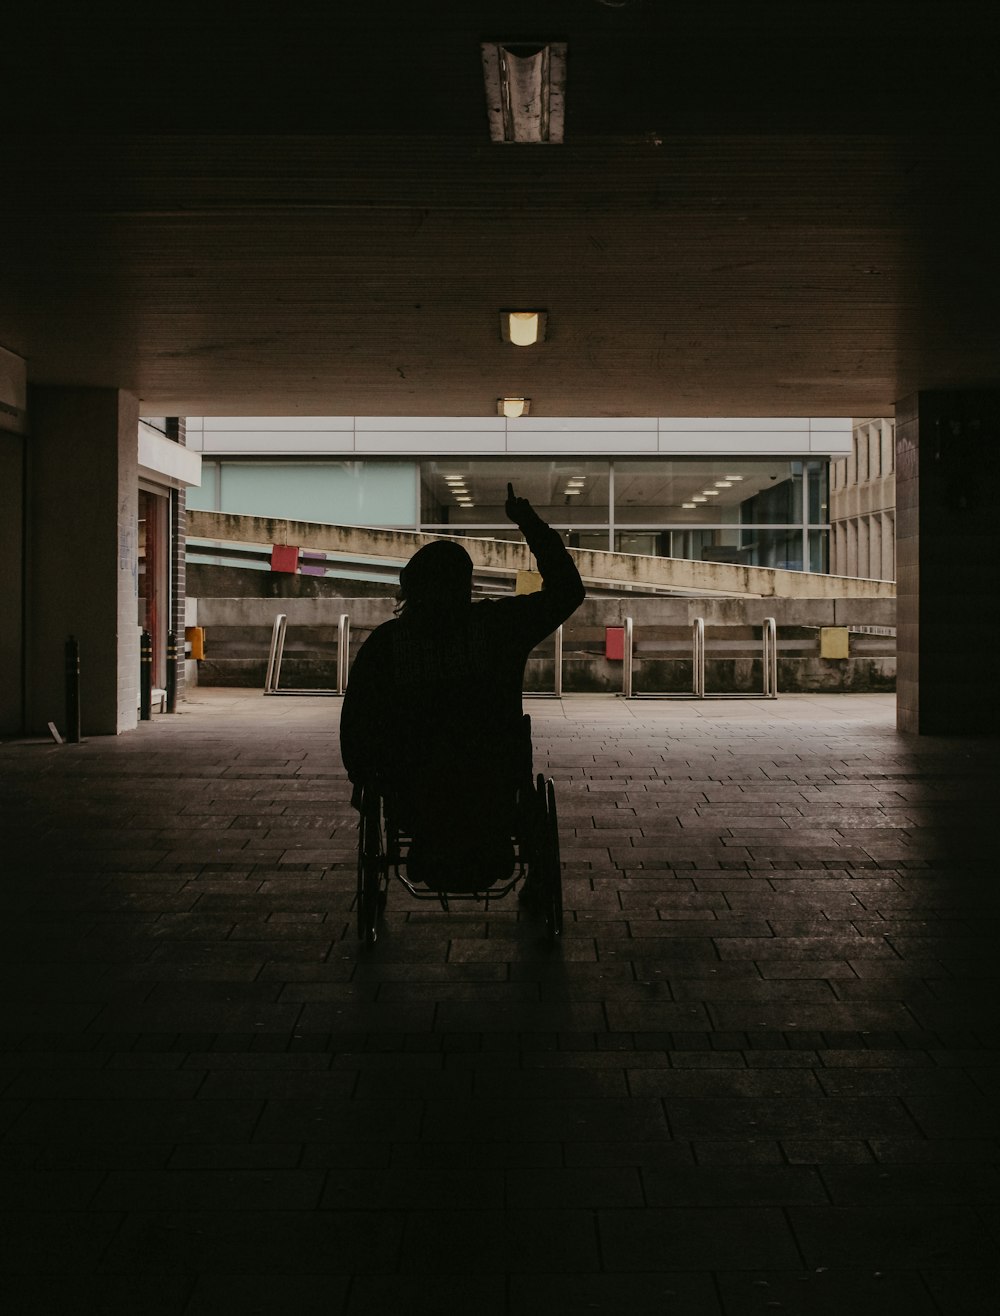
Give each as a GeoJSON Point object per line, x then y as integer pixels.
{"type": "Point", "coordinates": [433, 712]}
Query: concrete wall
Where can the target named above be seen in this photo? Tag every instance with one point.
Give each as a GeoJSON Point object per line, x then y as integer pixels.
{"type": "Point", "coordinates": [82, 555]}
{"type": "Point", "coordinates": [11, 581]}
{"type": "Point", "coordinates": [506, 557]}
{"type": "Point", "coordinates": [238, 634]}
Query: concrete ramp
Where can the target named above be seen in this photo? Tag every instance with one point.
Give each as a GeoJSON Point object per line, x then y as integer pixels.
{"type": "Point", "coordinates": [504, 558]}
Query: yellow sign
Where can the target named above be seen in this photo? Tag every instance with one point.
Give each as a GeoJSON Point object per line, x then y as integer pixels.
{"type": "Point", "coordinates": [528, 582]}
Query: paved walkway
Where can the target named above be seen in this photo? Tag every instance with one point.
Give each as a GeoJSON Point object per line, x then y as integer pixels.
{"type": "Point", "coordinates": [756, 1076]}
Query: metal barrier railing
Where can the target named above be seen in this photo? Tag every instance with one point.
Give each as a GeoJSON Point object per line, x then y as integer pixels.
{"type": "Point", "coordinates": [769, 661]}
{"type": "Point", "coordinates": [769, 664]}
{"type": "Point", "coordinates": [697, 690]}
{"type": "Point", "coordinates": [272, 678]}
{"type": "Point", "coordinates": [557, 658]}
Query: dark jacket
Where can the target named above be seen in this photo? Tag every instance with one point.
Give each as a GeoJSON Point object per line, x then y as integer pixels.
{"type": "Point", "coordinates": [434, 698]}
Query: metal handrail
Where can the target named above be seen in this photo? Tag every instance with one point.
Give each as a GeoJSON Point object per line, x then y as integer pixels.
{"type": "Point", "coordinates": [697, 690]}
{"type": "Point", "coordinates": [275, 654]}
{"type": "Point", "coordinates": [769, 656]}
{"type": "Point", "coordinates": [698, 657]}
{"type": "Point", "coordinates": [343, 651]}
{"type": "Point", "coordinates": [770, 643]}
{"type": "Point", "coordinates": [272, 678]}
{"type": "Point", "coordinates": [769, 663]}
{"type": "Point", "coordinates": [557, 658]}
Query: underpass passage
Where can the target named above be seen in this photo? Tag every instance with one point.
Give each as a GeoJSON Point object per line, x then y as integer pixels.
{"type": "Point", "coordinates": [759, 1066]}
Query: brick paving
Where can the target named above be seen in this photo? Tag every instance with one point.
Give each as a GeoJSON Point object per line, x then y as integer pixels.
{"type": "Point", "coordinates": [757, 1075]}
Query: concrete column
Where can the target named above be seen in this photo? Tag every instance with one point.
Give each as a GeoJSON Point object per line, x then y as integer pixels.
{"type": "Point", "coordinates": [11, 581]}
{"type": "Point", "coordinates": [948, 622]}
{"type": "Point", "coordinates": [82, 558]}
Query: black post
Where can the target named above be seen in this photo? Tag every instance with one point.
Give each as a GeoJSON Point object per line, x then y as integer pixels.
{"type": "Point", "coordinates": [146, 677]}
{"type": "Point", "coordinates": [172, 672]}
{"type": "Point", "coordinates": [73, 690]}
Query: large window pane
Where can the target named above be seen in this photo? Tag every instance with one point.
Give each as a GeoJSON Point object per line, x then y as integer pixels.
{"type": "Point", "coordinates": [819, 550]}
{"type": "Point", "coordinates": [340, 493]}
{"type": "Point", "coordinates": [469, 491]}
{"type": "Point", "coordinates": [773, 548]}
{"type": "Point", "coordinates": [727, 490]}
{"type": "Point", "coordinates": [205, 497]}
{"type": "Point", "coordinates": [697, 545]}
{"type": "Point", "coordinates": [818, 493]}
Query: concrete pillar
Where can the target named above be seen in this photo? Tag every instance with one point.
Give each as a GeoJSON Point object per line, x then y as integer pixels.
{"type": "Point", "coordinates": [11, 581]}
{"type": "Point", "coordinates": [82, 558]}
{"type": "Point", "coordinates": [948, 622]}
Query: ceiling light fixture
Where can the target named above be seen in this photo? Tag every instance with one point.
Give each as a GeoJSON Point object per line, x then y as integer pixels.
{"type": "Point", "coordinates": [525, 90]}
{"type": "Point", "coordinates": [688, 505]}
{"type": "Point", "coordinates": [723, 484]}
{"type": "Point", "coordinates": [699, 498]}
{"type": "Point", "coordinates": [734, 477]}
{"type": "Point", "coordinates": [512, 408]}
{"type": "Point", "coordinates": [710, 493]}
{"type": "Point", "coordinates": [523, 328]}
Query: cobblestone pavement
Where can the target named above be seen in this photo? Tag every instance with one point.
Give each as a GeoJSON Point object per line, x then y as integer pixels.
{"type": "Point", "coordinates": [756, 1076]}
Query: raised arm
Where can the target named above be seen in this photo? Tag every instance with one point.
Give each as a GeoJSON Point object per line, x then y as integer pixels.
{"type": "Point", "coordinates": [562, 589]}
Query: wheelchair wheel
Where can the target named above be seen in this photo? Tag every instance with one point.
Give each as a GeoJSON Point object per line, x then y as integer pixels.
{"type": "Point", "coordinates": [552, 866]}
{"type": "Point", "coordinates": [545, 869]}
{"type": "Point", "coordinates": [371, 898]}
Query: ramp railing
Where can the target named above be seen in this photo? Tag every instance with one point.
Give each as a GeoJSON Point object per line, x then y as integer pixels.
{"type": "Point", "coordinates": [276, 653]}
{"type": "Point", "coordinates": [557, 659]}
{"type": "Point", "coordinates": [769, 664]}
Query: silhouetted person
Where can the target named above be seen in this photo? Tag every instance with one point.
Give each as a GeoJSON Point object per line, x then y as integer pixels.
{"type": "Point", "coordinates": [433, 704]}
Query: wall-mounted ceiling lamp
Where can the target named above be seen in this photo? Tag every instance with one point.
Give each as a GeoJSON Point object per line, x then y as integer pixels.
{"type": "Point", "coordinates": [523, 328]}
{"type": "Point", "coordinates": [512, 408]}
{"type": "Point", "coordinates": [525, 90]}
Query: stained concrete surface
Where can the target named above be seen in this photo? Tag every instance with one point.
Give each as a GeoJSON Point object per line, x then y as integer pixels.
{"type": "Point", "coordinates": [757, 1075]}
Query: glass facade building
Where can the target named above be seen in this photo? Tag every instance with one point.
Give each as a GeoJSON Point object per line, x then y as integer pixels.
{"type": "Point", "coordinates": [747, 492]}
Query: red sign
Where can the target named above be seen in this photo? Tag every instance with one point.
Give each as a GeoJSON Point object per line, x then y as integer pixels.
{"type": "Point", "coordinates": [284, 558]}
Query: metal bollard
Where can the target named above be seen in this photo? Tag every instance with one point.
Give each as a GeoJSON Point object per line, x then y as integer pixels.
{"type": "Point", "coordinates": [171, 672]}
{"type": "Point", "coordinates": [73, 690]}
{"type": "Point", "coordinates": [146, 677]}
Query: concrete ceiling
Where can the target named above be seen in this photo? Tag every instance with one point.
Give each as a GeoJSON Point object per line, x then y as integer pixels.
{"type": "Point", "coordinates": [780, 208]}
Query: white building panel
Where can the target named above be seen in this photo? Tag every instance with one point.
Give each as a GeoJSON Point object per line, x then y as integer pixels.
{"type": "Point", "coordinates": [598, 441]}
{"type": "Point", "coordinates": [277, 424]}
{"type": "Point", "coordinates": [431, 424]}
{"type": "Point", "coordinates": [571, 425]}
{"type": "Point", "coordinates": [285, 443]}
{"type": "Point", "coordinates": [761, 443]}
{"type": "Point", "coordinates": [375, 443]}
{"type": "Point", "coordinates": [738, 424]}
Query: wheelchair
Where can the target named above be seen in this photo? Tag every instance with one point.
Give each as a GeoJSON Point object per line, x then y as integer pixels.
{"type": "Point", "coordinates": [385, 842]}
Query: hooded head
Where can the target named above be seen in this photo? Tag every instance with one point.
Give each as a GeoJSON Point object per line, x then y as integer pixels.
{"type": "Point", "coordinates": [438, 577]}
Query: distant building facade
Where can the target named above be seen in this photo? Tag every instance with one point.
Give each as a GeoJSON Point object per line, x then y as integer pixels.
{"type": "Point", "coordinates": [752, 490]}
{"type": "Point", "coordinates": [863, 503]}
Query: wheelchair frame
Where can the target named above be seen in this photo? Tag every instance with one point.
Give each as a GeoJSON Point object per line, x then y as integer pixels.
{"type": "Point", "coordinates": [383, 847]}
